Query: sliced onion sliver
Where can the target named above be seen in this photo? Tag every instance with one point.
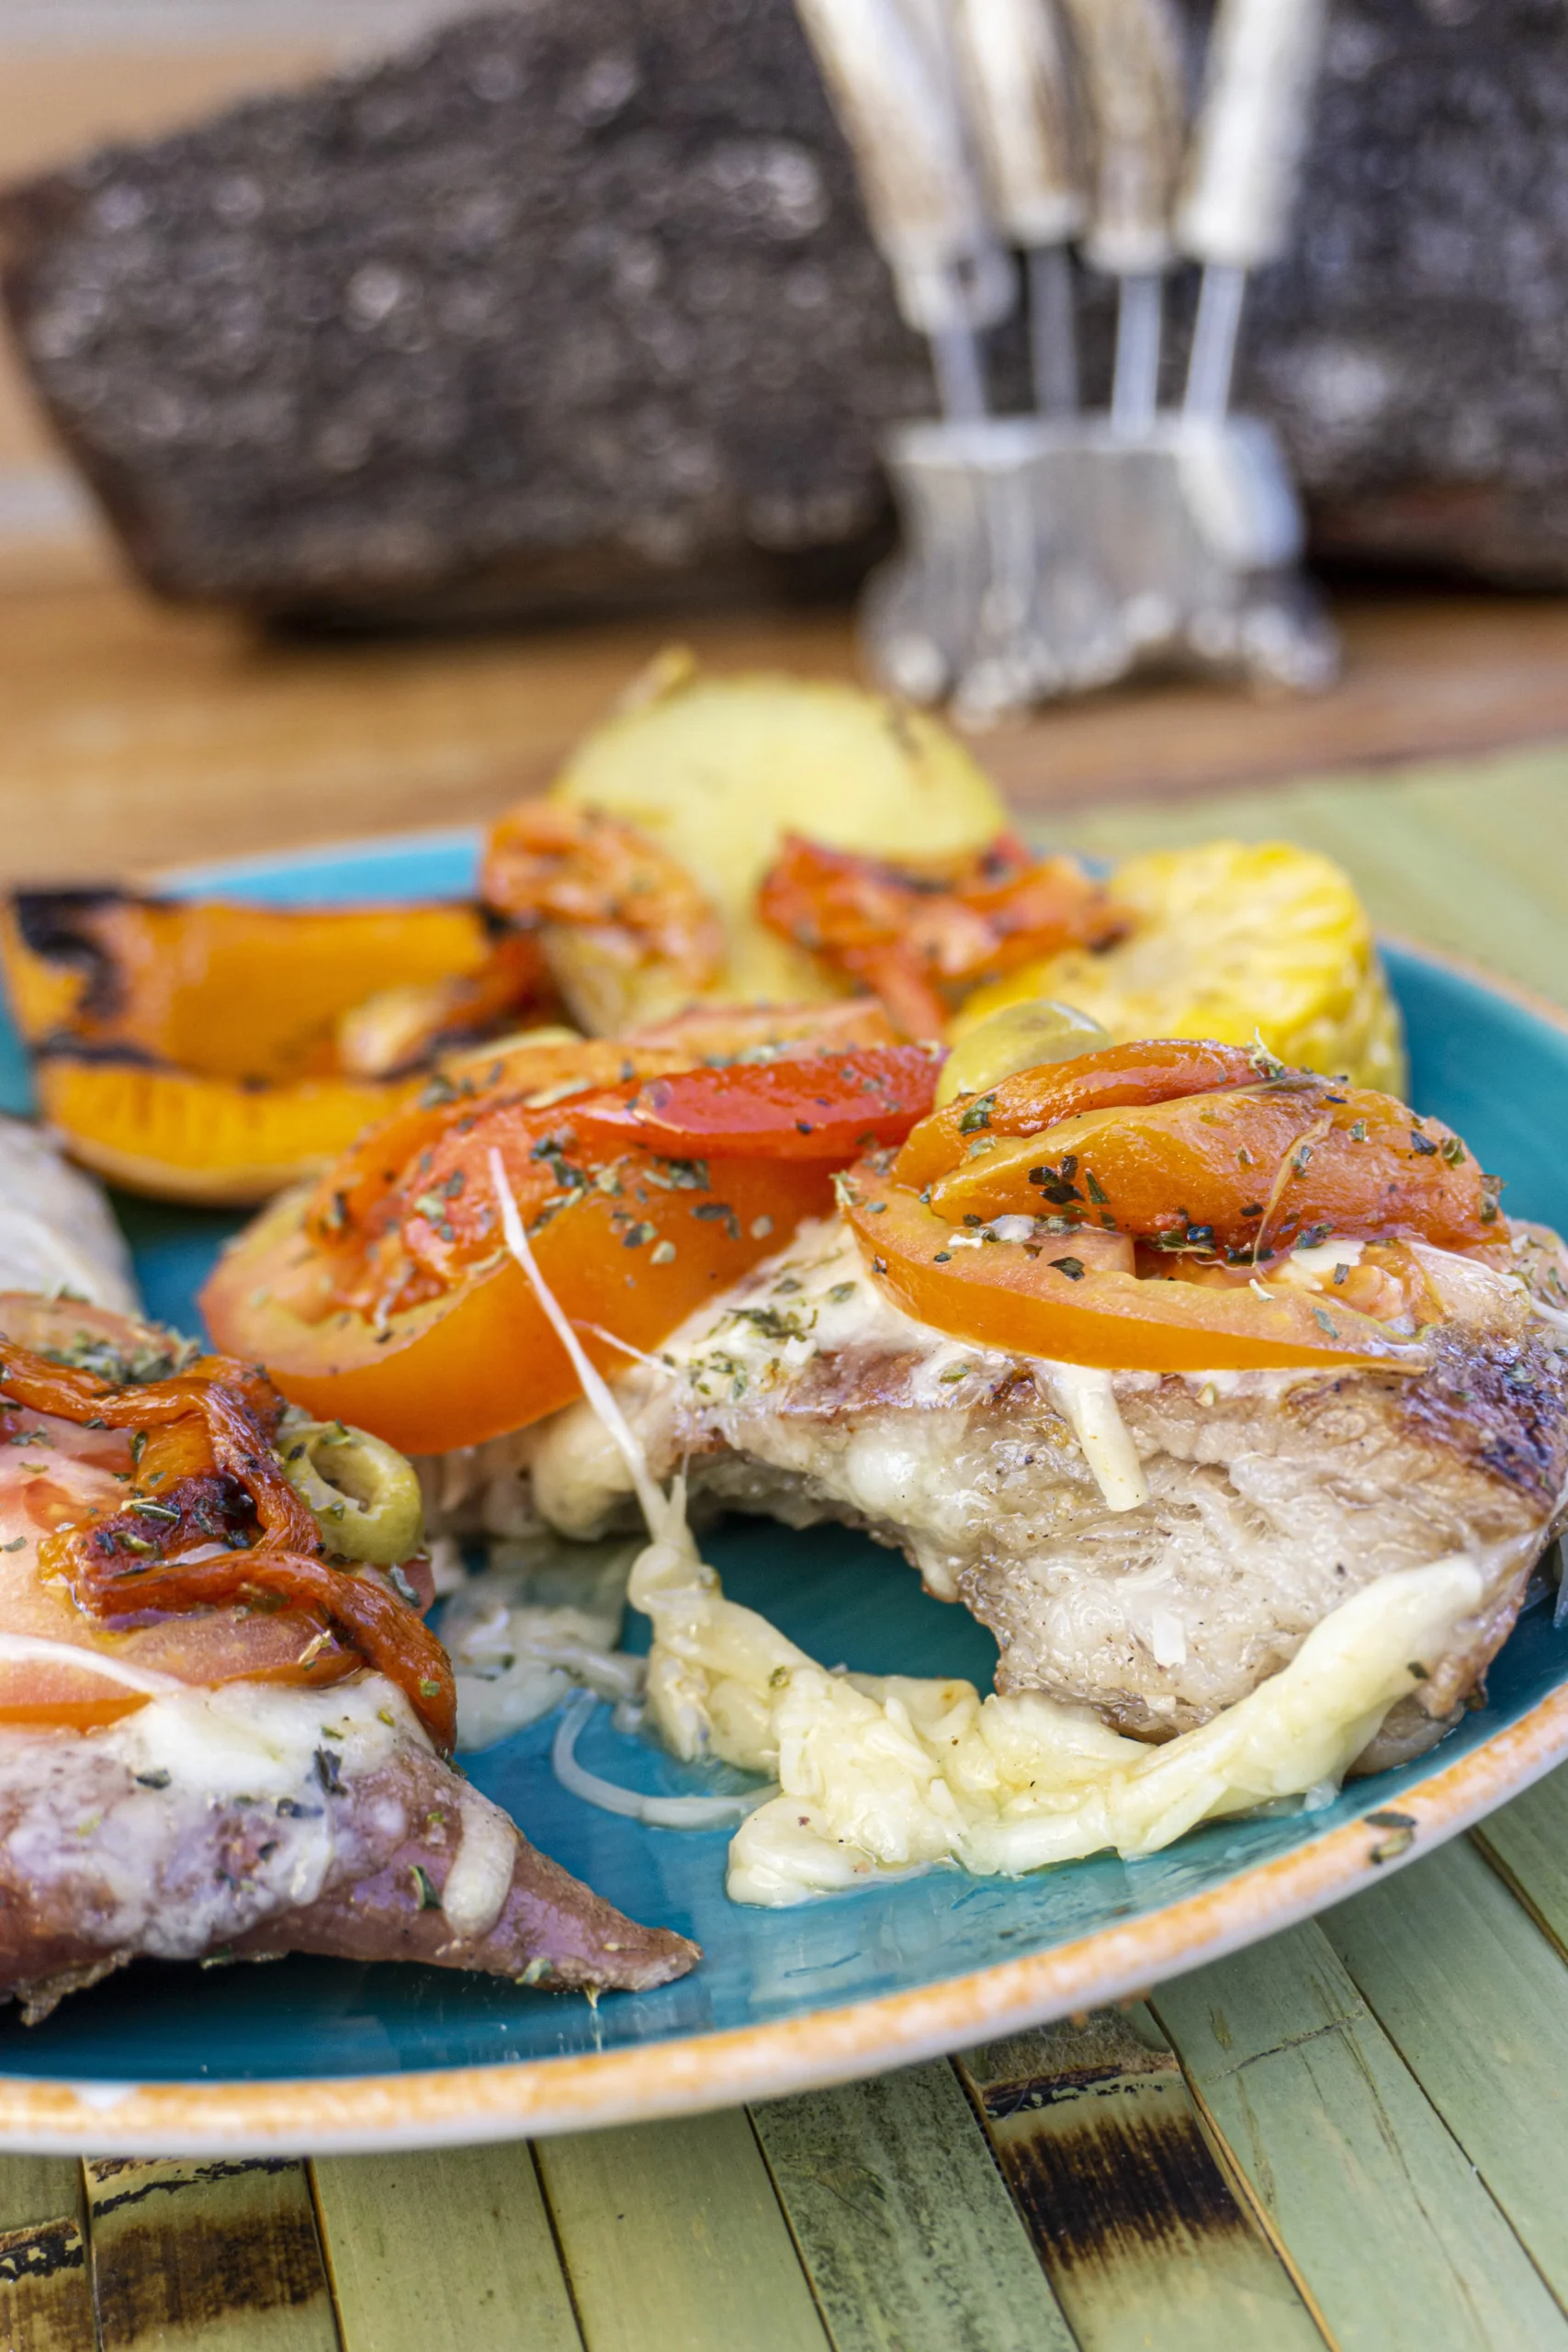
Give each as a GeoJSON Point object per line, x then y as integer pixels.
{"type": "Point", "coordinates": [656, 1813]}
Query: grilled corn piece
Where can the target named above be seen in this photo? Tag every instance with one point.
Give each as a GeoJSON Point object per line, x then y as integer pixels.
{"type": "Point", "coordinates": [1231, 939]}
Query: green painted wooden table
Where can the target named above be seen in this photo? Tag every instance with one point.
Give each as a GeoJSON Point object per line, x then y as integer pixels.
{"type": "Point", "coordinates": [1356, 2133]}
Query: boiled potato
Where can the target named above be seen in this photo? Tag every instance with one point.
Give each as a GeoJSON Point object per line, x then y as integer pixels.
{"type": "Point", "coordinates": [717, 770]}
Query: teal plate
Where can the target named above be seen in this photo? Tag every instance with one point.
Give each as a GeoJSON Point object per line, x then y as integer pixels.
{"type": "Point", "coordinates": [310, 2054]}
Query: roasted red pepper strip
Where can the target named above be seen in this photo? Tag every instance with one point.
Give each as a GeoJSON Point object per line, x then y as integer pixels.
{"type": "Point", "coordinates": [238, 1411]}
{"type": "Point", "coordinates": [548, 864]}
{"type": "Point", "coordinates": [381, 1627]}
{"type": "Point", "coordinates": [909, 931]}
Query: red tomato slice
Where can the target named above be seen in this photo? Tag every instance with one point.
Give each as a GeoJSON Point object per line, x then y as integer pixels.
{"type": "Point", "coordinates": [829, 1106]}
{"type": "Point", "coordinates": [386, 1298]}
{"type": "Point", "coordinates": [481, 1359]}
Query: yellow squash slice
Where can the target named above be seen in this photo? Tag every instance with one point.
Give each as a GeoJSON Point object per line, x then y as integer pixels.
{"type": "Point", "coordinates": [1231, 939]}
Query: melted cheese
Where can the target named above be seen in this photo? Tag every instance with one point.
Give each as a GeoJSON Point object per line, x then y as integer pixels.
{"type": "Point", "coordinates": [122, 1820]}
{"type": "Point", "coordinates": [512, 1665]}
{"type": "Point", "coordinates": [480, 1877]}
{"type": "Point", "coordinates": [1086, 1398]}
{"type": "Point", "coordinates": [256, 1736]}
{"type": "Point", "coordinates": [889, 1774]}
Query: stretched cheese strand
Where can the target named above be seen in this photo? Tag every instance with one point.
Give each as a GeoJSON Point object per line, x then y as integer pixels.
{"type": "Point", "coordinates": [34, 1649]}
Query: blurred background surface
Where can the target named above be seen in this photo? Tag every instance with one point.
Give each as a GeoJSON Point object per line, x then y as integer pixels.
{"type": "Point", "coordinates": [1434, 226]}
{"type": "Point", "coordinates": [77, 74]}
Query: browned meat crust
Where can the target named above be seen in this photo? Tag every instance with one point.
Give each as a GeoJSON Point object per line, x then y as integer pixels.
{"type": "Point", "coordinates": [552, 1930]}
{"type": "Point", "coordinates": [252, 1847]}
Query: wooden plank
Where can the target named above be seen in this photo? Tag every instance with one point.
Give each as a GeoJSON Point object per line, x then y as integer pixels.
{"type": "Point", "coordinates": [46, 2300]}
{"type": "Point", "coordinates": [1394, 2236]}
{"type": "Point", "coordinates": [46, 2304]}
{"type": "Point", "coordinates": [1475, 2000]}
{"type": "Point", "coordinates": [182, 2251]}
{"type": "Point", "coordinates": [39, 2189]}
{"type": "Point", "coordinates": [1528, 1842]}
{"type": "Point", "coordinates": [906, 2232]}
{"type": "Point", "coordinates": [450, 2252]}
{"type": "Point", "coordinates": [671, 2235]}
{"type": "Point", "coordinates": [1424, 679]}
{"type": "Point", "coordinates": [1140, 2233]}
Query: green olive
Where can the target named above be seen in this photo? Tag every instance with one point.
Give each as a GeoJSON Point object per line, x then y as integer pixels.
{"type": "Point", "coordinates": [1018, 1037]}
{"type": "Point", "coordinates": [364, 1497]}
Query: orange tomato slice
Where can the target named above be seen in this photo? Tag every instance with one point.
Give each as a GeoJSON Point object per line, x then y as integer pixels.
{"type": "Point", "coordinates": [481, 1359]}
{"type": "Point", "coordinates": [1053, 1300]}
{"type": "Point", "coordinates": [386, 1297]}
{"type": "Point", "coordinates": [1201, 1150]}
{"type": "Point", "coordinates": [1239, 1168]}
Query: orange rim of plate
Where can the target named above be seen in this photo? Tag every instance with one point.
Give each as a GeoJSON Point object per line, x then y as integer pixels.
{"type": "Point", "coordinates": [686, 2075]}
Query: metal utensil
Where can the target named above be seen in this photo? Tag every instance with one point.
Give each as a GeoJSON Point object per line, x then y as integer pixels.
{"type": "Point", "coordinates": [1017, 80]}
{"type": "Point", "coordinates": [891, 89]}
{"type": "Point", "coordinates": [1049, 553]}
{"type": "Point", "coordinates": [1241, 177]}
{"type": "Point", "coordinates": [1129, 55]}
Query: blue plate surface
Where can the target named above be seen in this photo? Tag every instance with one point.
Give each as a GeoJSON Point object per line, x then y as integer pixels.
{"type": "Point", "coordinates": [1492, 1067]}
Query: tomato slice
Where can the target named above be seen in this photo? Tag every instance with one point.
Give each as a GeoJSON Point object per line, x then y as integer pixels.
{"type": "Point", "coordinates": [1156, 1070]}
{"type": "Point", "coordinates": [481, 1359]}
{"type": "Point", "coordinates": [823, 1107]}
{"type": "Point", "coordinates": [1204, 1151]}
{"type": "Point", "coordinates": [1055, 1301]}
{"type": "Point", "coordinates": [1239, 1171]}
{"type": "Point", "coordinates": [387, 1299]}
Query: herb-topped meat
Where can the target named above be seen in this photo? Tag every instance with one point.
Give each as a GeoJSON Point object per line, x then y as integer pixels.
{"type": "Point", "coordinates": [223, 1725]}
{"type": "Point", "coordinates": [1151, 1358]}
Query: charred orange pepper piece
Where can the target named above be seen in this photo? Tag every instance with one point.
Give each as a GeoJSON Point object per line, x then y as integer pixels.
{"type": "Point", "coordinates": [205, 1051]}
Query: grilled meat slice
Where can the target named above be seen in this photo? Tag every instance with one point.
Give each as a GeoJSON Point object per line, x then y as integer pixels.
{"type": "Point", "coordinates": [1272, 1496]}
{"type": "Point", "coordinates": [234, 1779]}
{"type": "Point", "coordinates": [261, 1819]}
